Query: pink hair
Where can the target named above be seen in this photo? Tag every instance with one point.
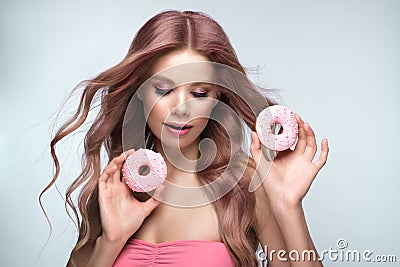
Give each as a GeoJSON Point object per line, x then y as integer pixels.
{"type": "Point", "coordinates": [167, 31]}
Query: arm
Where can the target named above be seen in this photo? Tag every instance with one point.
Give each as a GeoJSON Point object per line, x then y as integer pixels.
{"type": "Point", "coordinates": [286, 233]}
{"type": "Point", "coordinates": [268, 232]}
{"type": "Point", "coordinates": [297, 237]}
{"type": "Point", "coordinates": [285, 185]}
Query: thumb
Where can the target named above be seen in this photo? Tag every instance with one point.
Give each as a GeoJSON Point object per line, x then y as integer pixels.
{"type": "Point", "coordinates": [255, 142]}
{"type": "Point", "coordinates": [150, 204]}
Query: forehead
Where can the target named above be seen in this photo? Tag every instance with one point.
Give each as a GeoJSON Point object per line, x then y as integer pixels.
{"type": "Point", "coordinates": [184, 67]}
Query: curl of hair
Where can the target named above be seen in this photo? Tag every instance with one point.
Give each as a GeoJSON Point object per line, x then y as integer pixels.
{"type": "Point", "coordinates": [167, 31]}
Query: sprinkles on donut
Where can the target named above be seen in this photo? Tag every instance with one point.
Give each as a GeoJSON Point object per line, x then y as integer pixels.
{"type": "Point", "coordinates": [268, 118]}
{"type": "Point", "coordinates": [152, 180]}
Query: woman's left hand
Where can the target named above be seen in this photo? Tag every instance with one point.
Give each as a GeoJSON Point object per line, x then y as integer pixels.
{"type": "Point", "coordinates": [292, 171]}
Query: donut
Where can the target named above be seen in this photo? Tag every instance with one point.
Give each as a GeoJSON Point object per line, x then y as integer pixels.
{"type": "Point", "coordinates": [144, 183]}
{"type": "Point", "coordinates": [265, 123]}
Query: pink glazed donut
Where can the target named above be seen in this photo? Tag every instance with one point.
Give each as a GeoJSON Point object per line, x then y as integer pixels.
{"type": "Point", "coordinates": [273, 115]}
{"type": "Point", "coordinates": [144, 183]}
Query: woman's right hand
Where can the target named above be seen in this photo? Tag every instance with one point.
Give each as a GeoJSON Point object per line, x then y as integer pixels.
{"type": "Point", "coordinates": [120, 212]}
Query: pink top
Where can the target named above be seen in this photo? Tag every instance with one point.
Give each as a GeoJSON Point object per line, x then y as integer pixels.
{"type": "Point", "coordinates": [181, 253]}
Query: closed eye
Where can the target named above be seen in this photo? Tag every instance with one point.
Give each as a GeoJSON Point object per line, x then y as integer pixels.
{"type": "Point", "coordinates": [162, 91]}
{"type": "Point", "coordinates": [167, 91]}
{"type": "Point", "coordinates": [197, 94]}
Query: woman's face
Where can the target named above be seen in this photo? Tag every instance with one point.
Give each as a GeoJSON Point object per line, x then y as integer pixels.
{"type": "Point", "coordinates": [174, 98]}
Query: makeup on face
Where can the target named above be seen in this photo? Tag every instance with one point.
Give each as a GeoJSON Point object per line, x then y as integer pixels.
{"type": "Point", "coordinates": [164, 86]}
{"type": "Point", "coordinates": [179, 97]}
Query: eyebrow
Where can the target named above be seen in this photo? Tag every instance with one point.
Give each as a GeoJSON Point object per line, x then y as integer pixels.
{"type": "Point", "coordinates": [163, 78]}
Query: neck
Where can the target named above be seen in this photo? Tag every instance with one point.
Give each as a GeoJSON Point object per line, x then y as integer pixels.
{"type": "Point", "coordinates": [181, 162]}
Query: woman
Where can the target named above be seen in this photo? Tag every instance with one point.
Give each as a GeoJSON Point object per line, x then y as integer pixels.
{"type": "Point", "coordinates": [121, 228]}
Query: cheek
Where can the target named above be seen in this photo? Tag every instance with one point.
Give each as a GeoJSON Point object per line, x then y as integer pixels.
{"type": "Point", "coordinates": [203, 109]}
{"type": "Point", "coordinates": [157, 113]}
{"type": "Point", "coordinates": [202, 115]}
{"type": "Point", "coordinates": [152, 106]}
{"type": "Point", "coordinates": [155, 116]}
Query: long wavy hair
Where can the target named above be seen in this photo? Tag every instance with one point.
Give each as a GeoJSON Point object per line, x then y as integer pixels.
{"type": "Point", "coordinates": [167, 31]}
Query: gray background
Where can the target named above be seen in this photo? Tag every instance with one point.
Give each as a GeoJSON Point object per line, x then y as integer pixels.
{"type": "Point", "coordinates": [335, 62]}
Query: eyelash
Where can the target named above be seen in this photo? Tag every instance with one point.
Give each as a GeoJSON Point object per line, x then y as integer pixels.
{"type": "Point", "coordinates": [164, 92]}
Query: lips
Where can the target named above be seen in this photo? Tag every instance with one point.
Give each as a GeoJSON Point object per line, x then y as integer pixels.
{"type": "Point", "coordinates": [178, 126]}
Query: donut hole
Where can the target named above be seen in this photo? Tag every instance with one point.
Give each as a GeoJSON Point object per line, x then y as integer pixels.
{"type": "Point", "coordinates": [276, 128]}
{"type": "Point", "coordinates": [144, 170]}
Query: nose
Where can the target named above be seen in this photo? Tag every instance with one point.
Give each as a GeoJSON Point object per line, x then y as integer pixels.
{"type": "Point", "coordinates": [181, 107]}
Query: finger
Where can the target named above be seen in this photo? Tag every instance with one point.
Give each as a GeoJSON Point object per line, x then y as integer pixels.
{"type": "Point", "coordinates": [117, 163]}
{"type": "Point", "coordinates": [122, 157]}
{"type": "Point", "coordinates": [311, 147]}
{"type": "Point", "coordinates": [255, 147]}
{"type": "Point", "coordinates": [301, 141]}
{"type": "Point", "coordinates": [107, 173]}
{"type": "Point", "coordinates": [103, 176]}
{"type": "Point", "coordinates": [324, 154]}
{"type": "Point", "coordinates": [150, 204]}
{"type": "Point", "coordinates": [128, 153]}
{"type": "Point", "coordinates": [127, 189]}
{"type": "Point", "coordinates": [255, 141]}
{"type": "Point", "coordinates": [262, 164]}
